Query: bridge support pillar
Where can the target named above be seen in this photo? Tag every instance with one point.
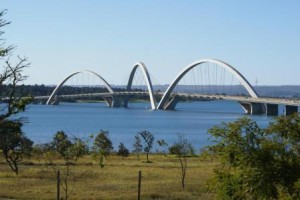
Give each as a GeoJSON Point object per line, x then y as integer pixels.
{"type": "Point", "coordinates": [272, 109]}
{"type": "Point", "coordinates": [171, 104]}
{"type": "Point", "coordinates": [258, 108]}
{"type": "Point", "coordinates": [117, 102]}
{"type": "Point", "coordinates": [290, 110]}
{"type": "Point", "coordinates": [253, 108]}
{"type": "Point", "coordinates": [125, 102]}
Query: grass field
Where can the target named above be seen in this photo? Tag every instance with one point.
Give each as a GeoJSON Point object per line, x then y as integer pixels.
{"type": "Point", "coordinates": [161, 179]}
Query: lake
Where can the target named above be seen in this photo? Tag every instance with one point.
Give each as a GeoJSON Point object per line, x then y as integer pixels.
{"type": "Point", "coordinates": [191, 119]}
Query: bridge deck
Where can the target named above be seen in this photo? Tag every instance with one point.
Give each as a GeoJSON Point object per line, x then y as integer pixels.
{"type": "Point", "coordinates": [265, 100]}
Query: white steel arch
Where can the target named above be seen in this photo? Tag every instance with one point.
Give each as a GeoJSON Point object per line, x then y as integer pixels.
{"type": "Point", "coordinates": [108, 87]}
{"type": "Point", "coordinates": [147, 77]}
{"type": "Point", "coordinates": [226, 66]}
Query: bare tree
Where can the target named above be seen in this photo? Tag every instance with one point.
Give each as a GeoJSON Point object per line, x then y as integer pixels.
{"type": "Point", "coordinates": [14, 144]}
{"type": "Point", "coordinates": [3, 50]}
{"type": "Point", "coordinates": [137, 146]}
{"type": "Point", "coordinates": [148, 139]}
{"type": "Point", "coordinates": [12, 76]}
{"type": "Point", "coordinates": [182, 149]}
{"type": "Point", "coordinates": [69, 151]}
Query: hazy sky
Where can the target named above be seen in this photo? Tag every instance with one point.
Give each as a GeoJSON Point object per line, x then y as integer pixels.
{"type": "Point", "coordinates": [259, 38]}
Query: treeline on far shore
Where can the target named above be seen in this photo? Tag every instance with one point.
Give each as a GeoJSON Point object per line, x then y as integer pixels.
{"type": "Point", "coordinates": [46, 90]}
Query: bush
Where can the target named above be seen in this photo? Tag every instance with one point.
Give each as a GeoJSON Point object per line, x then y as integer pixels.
{"type": "Point", "coordinates": [102, 147]}
{"type": "Point", "coordinates": [257, 163]}
{"type": "Point", "coordinates": [123, 151]}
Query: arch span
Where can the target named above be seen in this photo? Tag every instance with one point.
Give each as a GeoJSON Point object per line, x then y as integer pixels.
{"type": "Point", "coordinates": [226, 66]}
{"type": "Point", "coordinates": [58, 87]}
{"type": "Point", "coordinates": [147, 77]}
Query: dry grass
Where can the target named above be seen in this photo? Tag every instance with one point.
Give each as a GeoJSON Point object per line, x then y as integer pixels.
{"type": "Point", "coordinates": [117, 180]}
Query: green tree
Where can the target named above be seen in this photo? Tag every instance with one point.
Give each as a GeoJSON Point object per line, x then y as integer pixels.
{"type": "Point", "coordinates": [257, 163]}
{"type": "Point", "coordinates": [182, 148]}
{"type": "Point", "coordinates": [123, 151]}
{"type": "Point", "coordinates": [137, 146]}
{"type": "Point", "coordinates": [62, 145]}
{"type": "Point", "coordinates": [148, 140]}
{"type": "Point", "coordinates": [14, 145]}
{"type": "Point", "coordinates": [284, 134]}
{"type": "Point", "coordinates": [102, 146]}
{"type": "Point", "coordinates": [68, 150]}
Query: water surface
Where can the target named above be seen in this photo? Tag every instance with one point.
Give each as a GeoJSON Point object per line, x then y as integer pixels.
{"type": "Point", "coordinates": [82, 119]}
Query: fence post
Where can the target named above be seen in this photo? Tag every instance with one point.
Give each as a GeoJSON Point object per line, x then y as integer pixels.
{"type": "Point", "coordinates": [139, 185]}
{"type": "Point", "coordinates": [58, 184]}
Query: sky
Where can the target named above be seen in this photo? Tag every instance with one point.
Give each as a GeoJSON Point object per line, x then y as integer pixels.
{"type": "Point", "coordinates": [261, 39]}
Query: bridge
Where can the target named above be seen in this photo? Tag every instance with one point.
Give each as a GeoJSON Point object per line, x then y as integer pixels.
{"type": "Point", "coordinates": [212, 79]}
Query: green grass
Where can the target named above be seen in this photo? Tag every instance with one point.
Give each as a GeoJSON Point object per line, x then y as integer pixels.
{"type": "Point", "coordinates": [117, 180]}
